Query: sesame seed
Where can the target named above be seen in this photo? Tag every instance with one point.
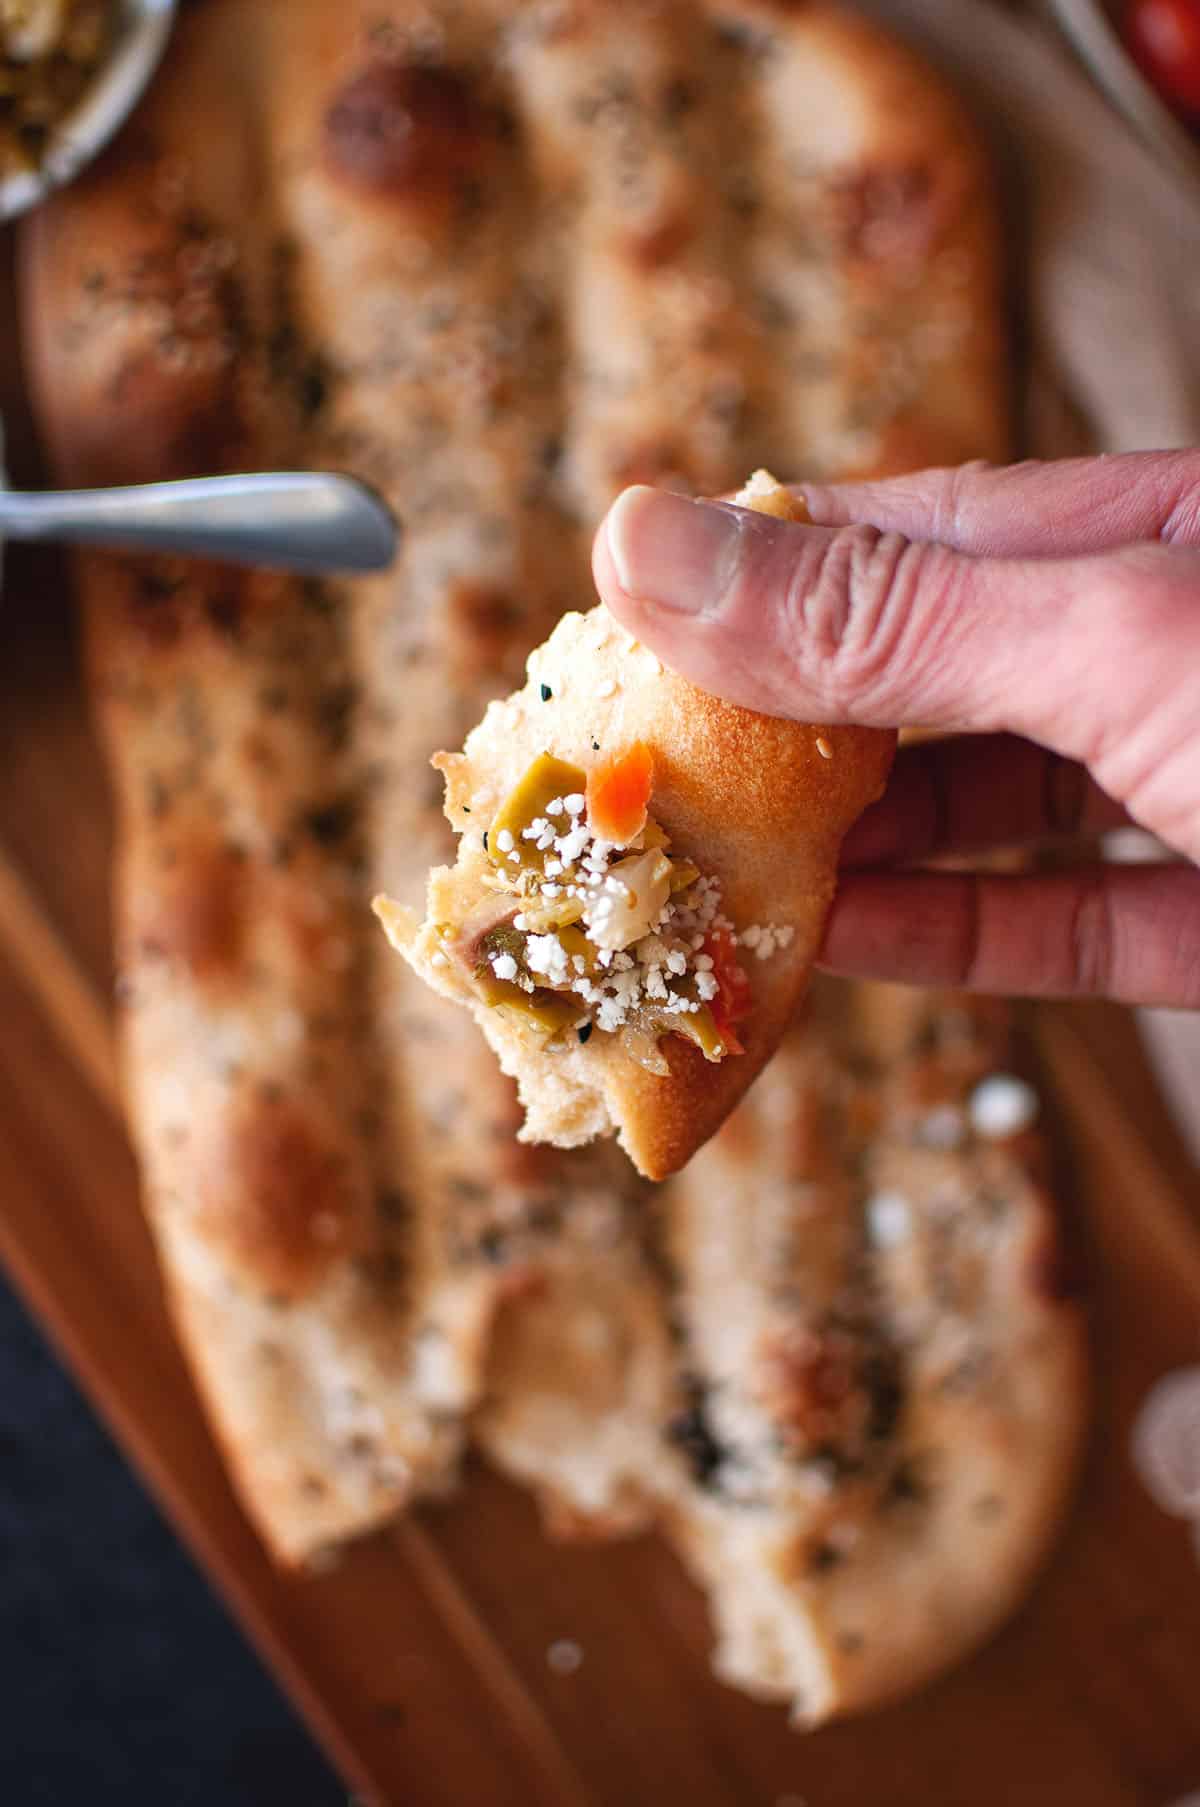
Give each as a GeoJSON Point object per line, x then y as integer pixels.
{"type": "Point", "coordinates": [823, 747]}
{"type": "Point", "coordinates": [546, 693]}
{"type": "Point", "coordinates": [606, 687]}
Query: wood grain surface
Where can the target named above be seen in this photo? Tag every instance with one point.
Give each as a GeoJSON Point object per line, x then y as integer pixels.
{"type": "Point", "coordinates": [421, 1659]}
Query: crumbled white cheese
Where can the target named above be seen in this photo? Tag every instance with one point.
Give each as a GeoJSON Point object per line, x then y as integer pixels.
{"type": "Point", "coordinates": [1002, 1105]}
{"type": "Point", "coordinates": [569, 846]}
{"type": "Point", "coordinates": [546, 954]}
{"type": "Point", "coordinates": [1166, 1443]}
{"type": "Point", "coordinates": [889, 1219]}
{"type": "Point", "coordinates": [669, 933]}
{"type": "Point", "coordinates": [765, 939]}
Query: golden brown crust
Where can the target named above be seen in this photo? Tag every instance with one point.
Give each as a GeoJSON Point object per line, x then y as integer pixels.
{"type": "Point", "coordinates": [500, 262]}
{"type": "Point", "coordinates": [917, 216]}
{"type": "Point", "coordinates": [873, 1406]}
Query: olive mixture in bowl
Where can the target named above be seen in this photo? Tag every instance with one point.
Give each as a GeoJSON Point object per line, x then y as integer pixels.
{"type": "Point", "coordinates": [50, 50]}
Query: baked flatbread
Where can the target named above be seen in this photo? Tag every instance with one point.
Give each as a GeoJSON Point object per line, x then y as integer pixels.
{"type": "Point", "coordinates": [499, 261]}
{"type": "Point", "coordinates": [642, 881]}
{"type": "Point", "coordinates": [863, 1430]}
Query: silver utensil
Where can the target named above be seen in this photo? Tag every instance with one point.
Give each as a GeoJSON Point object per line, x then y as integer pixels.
{"type": "Point", "coordinates": [143, 27]}
{"type": "Point", "coordinates": [313, 521]}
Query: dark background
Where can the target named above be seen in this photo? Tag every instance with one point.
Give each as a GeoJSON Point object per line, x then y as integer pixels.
{"type": "Point", "coordinates": [123, 1678]}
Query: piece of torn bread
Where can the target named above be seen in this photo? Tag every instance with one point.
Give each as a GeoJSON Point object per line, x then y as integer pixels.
{"type": "Point", "coordinates": [758, 804]}
{"type": "Point", "coordinates": [864, 1426]}
{"type": "Point", "coordinates": [895, 1383]}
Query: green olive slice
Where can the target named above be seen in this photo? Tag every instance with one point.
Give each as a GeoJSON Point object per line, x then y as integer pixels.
{"type": "Point", "coordinates": [546, 779]}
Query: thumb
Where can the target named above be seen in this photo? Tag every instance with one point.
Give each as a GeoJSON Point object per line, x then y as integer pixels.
{"type": "Point", "coordinates": [853, 624]}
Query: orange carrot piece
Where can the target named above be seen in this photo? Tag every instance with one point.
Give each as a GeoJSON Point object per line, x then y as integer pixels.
{"type": "Point", "coordinates": [618, 792]}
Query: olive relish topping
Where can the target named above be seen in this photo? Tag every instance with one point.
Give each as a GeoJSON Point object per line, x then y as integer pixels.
{"type": "Point", "coordinates": [50, 50]}
{"type": "Point", "coordinates": [605, 930]}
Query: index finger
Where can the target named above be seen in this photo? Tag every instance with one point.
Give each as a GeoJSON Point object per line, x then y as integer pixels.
{"type": "Point", "coordinates": [1076, 505]}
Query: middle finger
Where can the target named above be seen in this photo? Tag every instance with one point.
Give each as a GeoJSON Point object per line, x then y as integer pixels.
{"type": "Point", "coordinates": [975, 792]}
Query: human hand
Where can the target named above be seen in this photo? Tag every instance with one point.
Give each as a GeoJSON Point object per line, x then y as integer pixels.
{"type": "Point", "coordinates": [1048, 615]}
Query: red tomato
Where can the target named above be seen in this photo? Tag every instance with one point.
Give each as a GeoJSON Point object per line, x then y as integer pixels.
{"type": "Point", "coordinates": [1164, 39]}
{"type": "Point", "coordinates": [732, 1002]}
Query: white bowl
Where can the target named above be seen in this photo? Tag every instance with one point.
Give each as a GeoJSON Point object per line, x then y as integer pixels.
{"type": "Point", "coordinates": [142, 32]}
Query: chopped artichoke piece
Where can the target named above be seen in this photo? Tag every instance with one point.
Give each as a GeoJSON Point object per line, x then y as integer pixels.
{"type": "Point", "coordinates": [635, 894]}
{"type": "Point", "coordinates": [546, 779]}
{"type": "Point", "coordinates": [545, 914]}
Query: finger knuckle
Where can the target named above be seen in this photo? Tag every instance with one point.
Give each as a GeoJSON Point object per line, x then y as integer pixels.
{"type": "Point", "coordinates": [1091, 939]}
{"type": "Point", "coordinates": [1179, 523]}
{"type": "Point", "coordinates": [1140, 633]}
{"type": "Point", "coordinates": [958, 505]}
{"type": "Point", "coordinates": [856, 609]}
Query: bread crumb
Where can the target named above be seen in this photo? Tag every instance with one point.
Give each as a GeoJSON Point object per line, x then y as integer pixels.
{"type": "Point", "coordinates": [564, 1656]}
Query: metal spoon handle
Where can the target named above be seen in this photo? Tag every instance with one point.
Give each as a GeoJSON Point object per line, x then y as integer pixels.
{"type": "Point", "coordinates": [288, 520]}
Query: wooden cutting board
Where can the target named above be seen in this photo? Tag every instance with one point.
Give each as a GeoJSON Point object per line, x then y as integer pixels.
{"type": "Point", "coordinates": [421, 1661]}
